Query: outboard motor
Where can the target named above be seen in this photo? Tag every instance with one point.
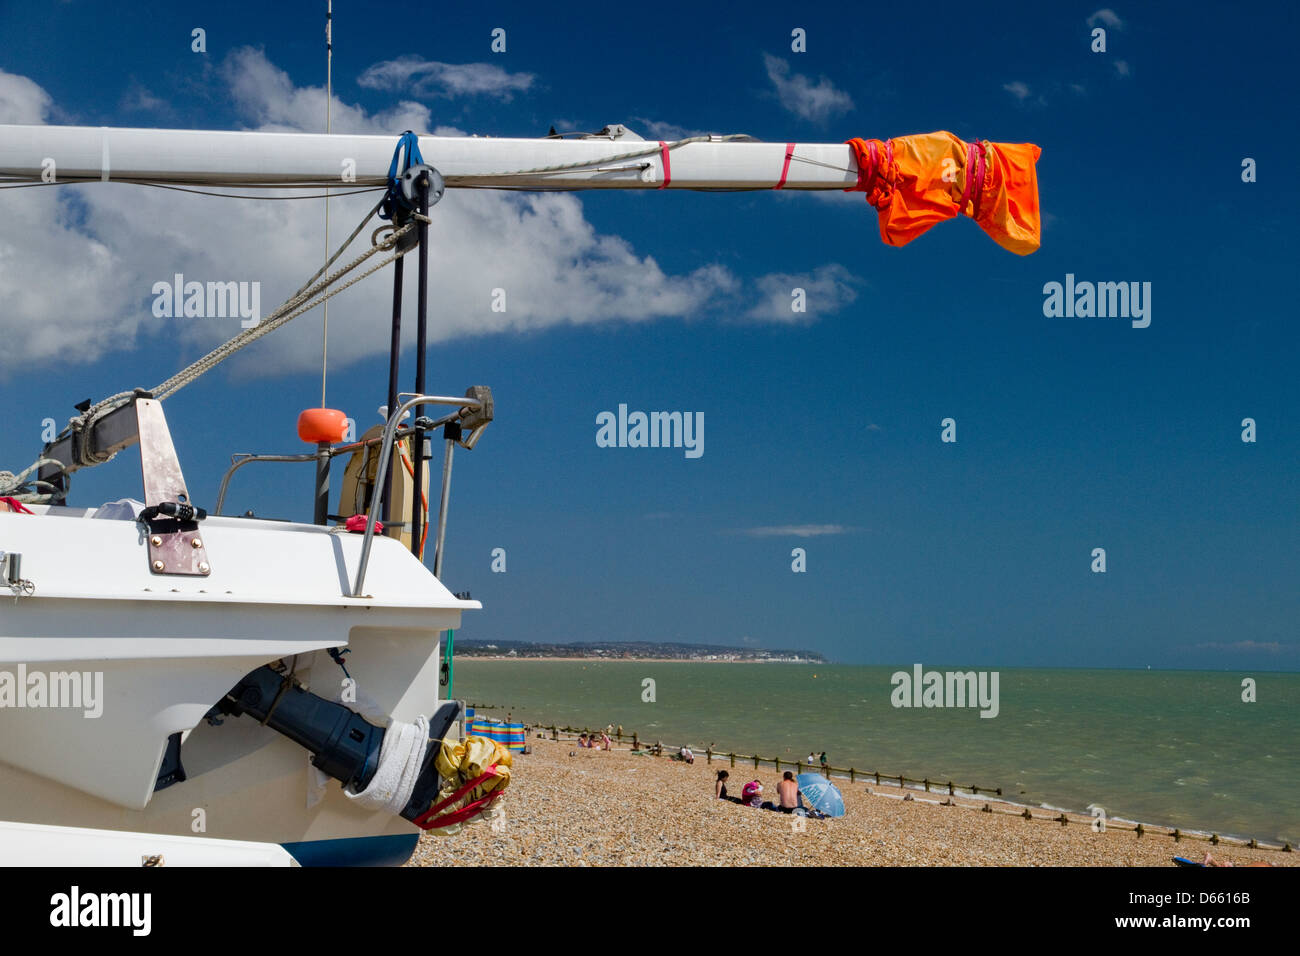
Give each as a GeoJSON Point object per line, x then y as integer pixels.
{"type": "Point", "coordinates": [344, 745]}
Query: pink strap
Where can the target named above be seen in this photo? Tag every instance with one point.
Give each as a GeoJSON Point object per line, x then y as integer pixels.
{"type": "Point", "coordinates": [785, 170]}
{"type": "Point", "coordinates": [974, 178]}
{"type": "Point", "coordinates": [423, 819]}
{"type": "Point", "coordinates": [668, 169]}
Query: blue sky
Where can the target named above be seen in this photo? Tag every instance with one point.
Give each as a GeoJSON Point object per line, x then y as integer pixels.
{"type": "Point", "coordinates": [1073, 433]}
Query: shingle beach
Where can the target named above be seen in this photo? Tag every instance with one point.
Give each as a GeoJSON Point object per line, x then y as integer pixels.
{"type": "Point", "coordinates": [616, 808]}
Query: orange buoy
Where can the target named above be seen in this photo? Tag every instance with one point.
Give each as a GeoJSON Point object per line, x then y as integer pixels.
{"type": "Point", "coordinates": [322, 425]}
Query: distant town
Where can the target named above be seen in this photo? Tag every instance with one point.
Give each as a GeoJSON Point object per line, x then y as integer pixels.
{"type": "Point", "coordinates": [634, 650]}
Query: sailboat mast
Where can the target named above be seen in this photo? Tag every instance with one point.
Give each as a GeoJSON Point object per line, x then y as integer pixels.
{"type": "Point", "coordinates": [329, 95]}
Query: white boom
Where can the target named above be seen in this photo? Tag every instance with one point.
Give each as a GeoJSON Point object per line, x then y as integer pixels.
{"type": "Point", "coordinates": [618, 159]}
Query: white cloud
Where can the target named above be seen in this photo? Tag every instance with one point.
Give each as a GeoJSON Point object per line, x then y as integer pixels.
{"type": "Point", "coordinates": [1017, 89]}
{"type": "Point", "coordinates": [21, 100]}
{"type": "Point", "coordinates": [813, 101]}
{"type": "Point", "coordinates": [795, 530]}
{"type": "Point", "coordinates": [139, 99]}
{"type": "Point", "coordinates": [1121, 67]}
{"type": "Point", "coordinates": [669, 132]}
{"type": "Point", "coordinates": [1107, 16]}
{"type": "Point", "coordinates": [827, 289]}
{"type": "Point", "coordinates": [554, 266]}
{"type": "Point", "coordinates": [268, 100]}
{"type": "Point", "coordinates": [430, 78]}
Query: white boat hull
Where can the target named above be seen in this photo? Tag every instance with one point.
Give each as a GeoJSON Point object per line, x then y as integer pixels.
{"type": "Point", "coordinates": [167, 648]}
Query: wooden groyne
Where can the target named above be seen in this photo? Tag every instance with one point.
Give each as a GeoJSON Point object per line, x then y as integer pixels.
{"type": "Point", "coordinates": [949, 788]}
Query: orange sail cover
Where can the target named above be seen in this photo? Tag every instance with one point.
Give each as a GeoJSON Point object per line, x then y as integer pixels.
{"type": "Point", "coordinates": [917, 181]}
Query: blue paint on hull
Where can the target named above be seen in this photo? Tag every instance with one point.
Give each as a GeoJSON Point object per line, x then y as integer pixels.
{"type": "Point", "coordinates": [392, 850]}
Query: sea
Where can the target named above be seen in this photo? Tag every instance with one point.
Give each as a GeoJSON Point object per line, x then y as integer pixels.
{"type": "Point", "coordinates": [1175, 748]}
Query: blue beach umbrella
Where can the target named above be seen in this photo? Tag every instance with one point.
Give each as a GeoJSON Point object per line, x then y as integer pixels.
{"type": "Point", "coordinates": [821, 795]}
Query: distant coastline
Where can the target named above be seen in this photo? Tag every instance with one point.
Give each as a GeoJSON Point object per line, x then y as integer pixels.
{"type": "Point", "coordinates": [632, 660]}
{"type": "Point", "coordinates": [646, 651]}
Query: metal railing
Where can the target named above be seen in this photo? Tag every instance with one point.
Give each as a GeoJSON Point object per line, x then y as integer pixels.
{"type": "Point", "coordinates": [385, 459]}
{"type": "Point", "coordinates": [238, 461]}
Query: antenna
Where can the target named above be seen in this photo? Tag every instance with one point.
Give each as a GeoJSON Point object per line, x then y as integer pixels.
{"type": "Point", "coordinates": [329, 96]}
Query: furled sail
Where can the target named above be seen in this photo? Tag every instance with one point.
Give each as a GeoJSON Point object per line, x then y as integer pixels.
{"type": "Point", "coordinates": [917, 181]}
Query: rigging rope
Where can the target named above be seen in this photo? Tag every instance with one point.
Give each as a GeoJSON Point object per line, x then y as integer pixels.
{"type": "Point", "coordinates": [654, 150]}
{"type": "Point", "coordinates": [310, 295]}
{"type": "Point", "coordinates": [205, 192]}
{"type": "Point", "coordinates": [31, 490]}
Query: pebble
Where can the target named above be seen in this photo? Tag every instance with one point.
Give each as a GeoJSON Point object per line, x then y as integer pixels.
{"type": "Point", "coordinates": [609, 808]}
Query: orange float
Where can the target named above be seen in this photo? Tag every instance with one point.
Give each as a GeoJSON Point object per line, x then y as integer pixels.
{"type": "Point", "coordinates": [322, 425]}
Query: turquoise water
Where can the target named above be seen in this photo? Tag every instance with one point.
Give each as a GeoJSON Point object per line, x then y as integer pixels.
{"type": "Point", "coordinates": [1166, 747]}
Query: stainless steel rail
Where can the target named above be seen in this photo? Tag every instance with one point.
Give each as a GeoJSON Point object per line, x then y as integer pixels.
{"type": "Point", "coordinates": [239, 461]}
{"type": "Point", "coordinates": [385, 459]}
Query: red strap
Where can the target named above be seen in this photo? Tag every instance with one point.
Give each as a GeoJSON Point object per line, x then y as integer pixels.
{"type": "Point", "coordinates": [668, 169]}
{"type": "Point", "coordinates": [442, 805]}
{"type": "Point", "coordinates": [457, 816]}
{"type": "Point", "coordinates": [16, 506]}
{"type": "Point", "coordinates": [785, 170]}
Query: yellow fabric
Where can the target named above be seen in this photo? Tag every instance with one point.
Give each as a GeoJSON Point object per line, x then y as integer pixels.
{"type": "Point", "coordinates": [917, 181]}
{"type": "Point", "coordinates": [460, 761]}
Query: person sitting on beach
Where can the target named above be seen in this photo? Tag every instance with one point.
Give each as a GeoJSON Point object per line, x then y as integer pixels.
{"type": "Point", "coordinates": [788, 792]}
{"type": "Point", "coordinates": [582, 741]}
{"type": "Point", "coordinates": [1211, 861]}
{"type": "Point", "coordinates": [720, 787]}
{"type": "Point", "coordinates": [752, 796]}
{"type": "Point", "coordinates": [686, 754]}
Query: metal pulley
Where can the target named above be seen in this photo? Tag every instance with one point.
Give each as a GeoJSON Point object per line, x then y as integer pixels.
{"type": "Point", "coordinates": [408, 179]}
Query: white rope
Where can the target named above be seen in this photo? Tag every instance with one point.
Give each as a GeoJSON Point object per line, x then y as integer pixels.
{"type": "Point", "coordinates": [654, 150]}
{"type": "Point", "coordinates": [304, 300]}
{"type": "Point", "coordinates": [31, 491]}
